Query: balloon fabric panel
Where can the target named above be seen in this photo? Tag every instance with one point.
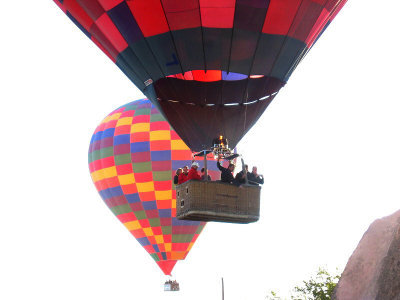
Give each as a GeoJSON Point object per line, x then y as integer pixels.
{"type": "Point", "coordinates": [291, 18]}
{"type": "Point", "coordinates": [177, 52]}
{"type": "Point", "coordinates": [133, 156]}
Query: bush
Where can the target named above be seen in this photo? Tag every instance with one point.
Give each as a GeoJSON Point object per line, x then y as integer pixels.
{"type": "Point", "coordinates": [319, 287]}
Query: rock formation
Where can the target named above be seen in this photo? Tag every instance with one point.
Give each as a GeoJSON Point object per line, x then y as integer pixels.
{"type": "Point", "coordinates": [373, 270]}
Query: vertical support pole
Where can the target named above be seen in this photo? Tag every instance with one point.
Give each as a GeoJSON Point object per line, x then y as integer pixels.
{"type": "Point", "coordinates": [244, 172]}
{"type": "Point", "coordinates": [205, 165]}
{"type": "Point", "coordinates": [222, 278]}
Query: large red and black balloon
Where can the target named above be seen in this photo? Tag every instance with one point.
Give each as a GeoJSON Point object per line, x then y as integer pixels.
{"type": "Point", "coordinates": [210, 66]}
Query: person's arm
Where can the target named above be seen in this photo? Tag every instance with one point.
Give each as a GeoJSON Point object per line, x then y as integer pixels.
{"type": "Point", "coordinates": [221, 168]}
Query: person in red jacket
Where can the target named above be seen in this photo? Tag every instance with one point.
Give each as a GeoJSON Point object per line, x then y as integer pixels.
{"type": "Point", "coordinates": [176, 177]}
{"type": "Point", "coordinates": [183, 176]}
{"type": "Point", "coordinates": [193, 174]}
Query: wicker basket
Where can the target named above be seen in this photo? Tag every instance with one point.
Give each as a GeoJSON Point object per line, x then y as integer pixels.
{"type": "Point", "coordinates": [216, 201]}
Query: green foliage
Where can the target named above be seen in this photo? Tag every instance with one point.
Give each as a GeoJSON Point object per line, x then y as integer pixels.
{"type": "Point", "coordinates": [319, 287]}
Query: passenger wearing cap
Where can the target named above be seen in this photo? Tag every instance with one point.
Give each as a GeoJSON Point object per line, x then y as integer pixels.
{"type": "Point", "coordinates": [193, 173]}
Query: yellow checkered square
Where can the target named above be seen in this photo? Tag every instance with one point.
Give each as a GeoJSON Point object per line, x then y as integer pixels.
{"type": "Point", "coordinates": [163, 195]}
{"type": "Point", "coordinates": [104, 173]}
{"type": "Point", "coordinates": [133, 225]}
{"type": "Point", "coordinates": [148, 231]}
{"type": "Point", "coordinates": [145, 187]}
{"type": "Point", "coordinates": [111, 117]}
{"type": "Point", "coordinates": [159, 239]}
{"type": "Point", "coordinates": [178, 145]}
{"type": "Point", "coordinates": [126, 179]}
{"type": "Point", "coordinates": [140, 127]}
{"type": "Point", "coordinates": [160, 135]}
{"type": "Point", "coordinates": [124, 121]}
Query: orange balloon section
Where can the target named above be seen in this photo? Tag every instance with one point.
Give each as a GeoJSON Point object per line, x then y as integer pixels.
{"type": "Point", "coordinates": [133, 156]}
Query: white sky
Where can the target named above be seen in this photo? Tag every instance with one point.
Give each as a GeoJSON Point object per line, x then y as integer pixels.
{"type": "Point", "coordinates": [328, 146]}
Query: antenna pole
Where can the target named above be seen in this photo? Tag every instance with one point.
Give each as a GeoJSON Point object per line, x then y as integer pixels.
{"type": "Point", "coordinates": [222, 278]}
{"type": "Point", "coordinates": [205, 165]}
{"type": "Point", "coordinates": [244, 172]}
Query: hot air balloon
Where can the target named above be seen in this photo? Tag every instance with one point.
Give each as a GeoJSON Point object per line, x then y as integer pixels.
{"type": "Point", "coordinates": [210, 66]}
{"type": "Point", "coordinates": [133, 156]}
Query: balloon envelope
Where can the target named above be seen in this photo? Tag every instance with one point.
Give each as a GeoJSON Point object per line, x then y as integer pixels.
{"type": "Point", "coordinates": [211, 66]}
{"type": "Point", "coordinates": [133, 156]}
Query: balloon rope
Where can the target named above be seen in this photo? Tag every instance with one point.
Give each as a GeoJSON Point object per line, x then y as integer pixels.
{"type": "Point", "coordinates": [202, 39]}
{"type": "Point", "coordinates": [180, 64]}
{"type": "Point", "coordinates": [172, 37]}
{"type": "Point", "coordinates": [246, 98]}
{"type": "Point", "coordinates": [230, 46]}
{"type": "Point", "coordinates": [286, 39]}
{"type": "Point", "coordinates": [227, 71]}
{"type": "Point", "coordinates": [245, 118]}
{"type": "Point", "coordinates": [260, 33]}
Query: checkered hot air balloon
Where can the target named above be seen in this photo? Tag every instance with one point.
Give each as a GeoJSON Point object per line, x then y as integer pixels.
{"type": "Point", "coordinates": [133, 157]}
{"type": "Point", "coordinates": [211, 66]}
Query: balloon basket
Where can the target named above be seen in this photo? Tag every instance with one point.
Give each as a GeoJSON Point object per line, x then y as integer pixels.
{"type": "Point", "coordinates": [171, 286]}
{"type": "Point", "coordinates": [219, 202]}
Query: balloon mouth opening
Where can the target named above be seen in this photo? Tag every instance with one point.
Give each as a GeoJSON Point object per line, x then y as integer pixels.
{"type": "Point", "coordinates": [213, 75]}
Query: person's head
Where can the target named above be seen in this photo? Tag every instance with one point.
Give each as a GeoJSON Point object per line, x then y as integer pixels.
{"type": "Point", "coordinates": [185, 169]}
{"type": "Point", "coordinates": [254, 170]}
{"type": "Point", "coordinates": [202, 170]}
{"type": "Point", "coordinates": [195, 165]}
{"type": "Point", "coordinates": [246, 167]}
{"type": "Point", "coordinates": [231, 167]}
{"type": "Point", "coordinates": [179, 171]}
